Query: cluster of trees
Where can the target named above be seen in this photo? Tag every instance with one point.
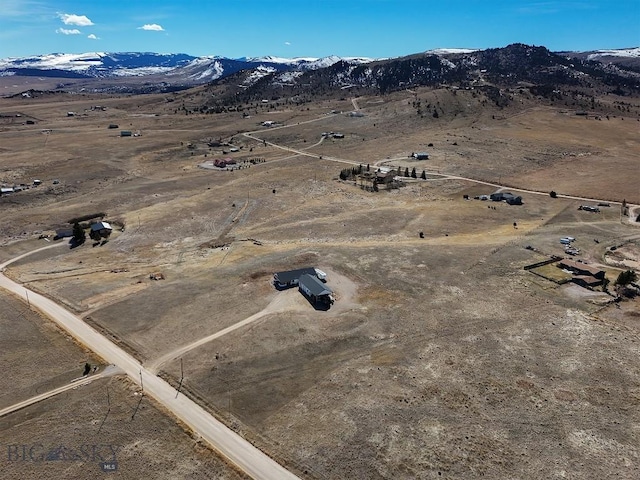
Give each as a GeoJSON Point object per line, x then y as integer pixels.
{"type": "Point", "coordinates": [347, 173]}
{"type": "Point", "coordinates": [413, 173]}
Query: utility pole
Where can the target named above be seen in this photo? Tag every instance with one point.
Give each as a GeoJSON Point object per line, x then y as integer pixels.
{"type": "Point", "coordinates": [181, 378]}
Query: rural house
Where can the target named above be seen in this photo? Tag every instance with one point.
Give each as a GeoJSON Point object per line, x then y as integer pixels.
{"type": "Point", "coordinates": [583, 275]}
{"type": "Point", "coordinates": [507, 197]}
{"type": "Point", "coordinates": [290, 278]}
{"type": "Point", "coordinates": [315, 290]}
{"type": "Point", "coordinates": [581, 269]}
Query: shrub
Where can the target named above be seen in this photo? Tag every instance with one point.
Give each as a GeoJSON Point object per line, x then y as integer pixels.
{"type": "Point", "coordinates": [626, 277]}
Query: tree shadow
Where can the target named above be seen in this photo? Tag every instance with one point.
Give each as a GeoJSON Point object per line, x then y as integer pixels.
{"type": "Point", "coordinates": [73, 243]}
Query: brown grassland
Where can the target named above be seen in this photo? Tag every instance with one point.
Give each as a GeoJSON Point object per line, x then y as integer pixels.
{"type": "Point", "coordinates": [441, 358]}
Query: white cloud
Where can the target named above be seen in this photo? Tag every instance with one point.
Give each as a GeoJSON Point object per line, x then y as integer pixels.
{"type": "Point", "coordinates": [71, 19]}
{"type": "Point", "coordinates": [18, 8]}
{"type": "Point", "coordinates": [92, 37]}
{"type": "Point", "coordinates": [287, 43]}
{"type": "Point", "coordinates": [153, 27]}
{"type": "Point", "coordinates": [65, 31]}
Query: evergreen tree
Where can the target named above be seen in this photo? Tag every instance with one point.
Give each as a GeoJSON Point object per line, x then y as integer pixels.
{"type": "Point", "coordinates": [626, 277]}
{"type": "Point", "coordinates": [424, 175]}
{"type": "Point", "coordinates": [406, 172]}
{"type": "Point", "coordinates": [413, 173]}
{"type": "Point", "coordinates": [78, 234]}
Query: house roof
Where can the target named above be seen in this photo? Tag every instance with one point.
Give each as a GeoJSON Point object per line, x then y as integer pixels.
{"type": "Point", "coordinates": [571, 265]}
{"type": "Point", "coordinates": [290, 275]}
{"type": "Point", "coordinates": [64, 232]}
{"type": "Point", "coordinates": [588, 279]}
{"type": "Point", "coordinates": [101, 226]}
{"type": "Point", "coordinates": [315, 286]}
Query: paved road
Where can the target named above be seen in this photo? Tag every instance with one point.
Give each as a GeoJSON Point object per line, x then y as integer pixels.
{"type": "Point", "coordinates": [235, 448]}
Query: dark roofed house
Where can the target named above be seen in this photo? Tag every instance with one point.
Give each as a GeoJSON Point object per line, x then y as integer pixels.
{"type": "Point", "coordinates": [508, 197]}
{"type": "Point", "coordinates": [100, 230]}
{"type": "Point", "coordinates": [63, 233]}
{"type": "Point", "coordinates": [421, 156]}
{"type": "Point", "coordinates": [290, 278]}
{"type": "Point", "coordinates": [499, 196]}
{"type": "Point", "coordinates": [315, 290]}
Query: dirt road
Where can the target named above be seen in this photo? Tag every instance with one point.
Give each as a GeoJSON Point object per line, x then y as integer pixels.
{"type": "Point", "coordinates": [281, 303]}
{"type": "Point", "coordinates": [443, 175]}
{"type": "Point", "coordinates": [235, 448]}
{"type": "Point", "coordinates": [109, 371]}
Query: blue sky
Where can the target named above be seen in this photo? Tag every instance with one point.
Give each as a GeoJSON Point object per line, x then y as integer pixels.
{"type": "Point", "coordinates": [313, 28]}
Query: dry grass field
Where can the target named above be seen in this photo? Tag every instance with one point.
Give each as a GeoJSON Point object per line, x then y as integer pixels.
{"type": "Point", "coordinates": [71, 435]}
{"type": "Point", "coordinates": [441, 358]}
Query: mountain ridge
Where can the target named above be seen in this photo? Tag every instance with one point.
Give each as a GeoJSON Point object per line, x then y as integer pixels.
{"type": "Point", "coordinates": [254, 77]}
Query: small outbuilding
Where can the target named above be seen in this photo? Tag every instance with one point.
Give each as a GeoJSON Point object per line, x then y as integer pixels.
{"type": "Point", "coordinates": [421, 156]}
{"type": "Point", "coordinates": [100, 230]}
{"type": "Point", "coordinates": [63, 233]}
{"type": "Point", "coordinates": [126, 133]}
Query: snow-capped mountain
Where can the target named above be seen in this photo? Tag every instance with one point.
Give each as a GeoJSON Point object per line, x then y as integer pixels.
{"type": "Point", "coordinates": [309, 63]}
{"type": "Point", "coordinates": [623, 57]}
{"type": "Point", "coordinates": [162, 72]}
{"type": "Point", "coordinates": [449, 51]}
{"type": "Point", "coordinates": [623, 52]}
{"type": "Point", "coordinates": [181, 67]}
{"type": "Point", "coordinates": [94, 64]}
